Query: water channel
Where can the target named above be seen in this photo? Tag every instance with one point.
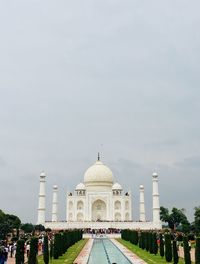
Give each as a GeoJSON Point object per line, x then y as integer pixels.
{"type": "Point", "coordinates": [105, 252]}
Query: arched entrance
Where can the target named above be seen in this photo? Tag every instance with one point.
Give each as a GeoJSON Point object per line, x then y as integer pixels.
{"type": "Point", "coordinates": [99, 210]}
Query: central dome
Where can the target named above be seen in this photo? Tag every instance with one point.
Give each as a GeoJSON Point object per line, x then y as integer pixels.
{"type": "Point", "coordinates": [98, 173]}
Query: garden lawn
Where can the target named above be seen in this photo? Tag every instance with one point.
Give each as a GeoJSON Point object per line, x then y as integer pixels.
{"type": "Point", "coordinates": [69, 256]}
{"type": "Point", "coordinates": [146, 256]}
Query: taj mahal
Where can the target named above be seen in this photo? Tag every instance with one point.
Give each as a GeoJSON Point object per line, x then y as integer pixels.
{"type": "Point", "coordinates": [99, 202]}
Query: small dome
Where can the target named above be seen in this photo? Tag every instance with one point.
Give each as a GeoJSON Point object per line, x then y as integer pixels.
{"type": "Point", "coordinates": [141, 187]}
{"type": "Point", "coordinates": [55, 187]}
{"type": "Point", "coordinates": [155, 174]}
{"type": "Point", "coordinates": [116, 186]}
{"type": "Point", "coordinates": [42, 174]}
{"type": "Point", "coordinates": [98, 173]}
{"type": "Point", "coordinates": [80, 186]}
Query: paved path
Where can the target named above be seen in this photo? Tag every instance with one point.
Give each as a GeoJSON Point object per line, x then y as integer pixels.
{"type": "Point", "coordinates": [12, 260]}
{"type": "Point", "coordinates": [192, 253]}
{"type": "Point", "coordinates": [129, 254]}
{"type": "Point", "coordinates": [85, 253]}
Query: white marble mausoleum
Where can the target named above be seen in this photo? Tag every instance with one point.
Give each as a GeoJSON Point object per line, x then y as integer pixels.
{"type": "Point", "coordinates": [99, 202]}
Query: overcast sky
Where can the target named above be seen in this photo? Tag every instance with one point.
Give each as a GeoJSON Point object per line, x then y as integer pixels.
{"type": "Point", "coordinates": [119, 77]}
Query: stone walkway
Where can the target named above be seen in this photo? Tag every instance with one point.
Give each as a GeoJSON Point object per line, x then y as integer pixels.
{"type": "Point", "coordinates": [130, 255]}
{"type": "Point", "coordinates": [85, 253]}
{"type": "Point", "coordinates": [12, 260]}
{"type": "Point", "coordinates": [192, 253]}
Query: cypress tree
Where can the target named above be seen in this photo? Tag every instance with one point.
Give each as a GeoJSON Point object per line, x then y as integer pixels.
{"type": "Point", "coordinates": [155, 244]}
{"type": "Point", "coordinates": [56, 247]}
{"type": "Point", "coordinates": [19, 256]}
{"type": "Point", "coordinates": [140, 240]}
{"type": "Point", "coordinates": [197, 251]}
{"type": "Point", "coordinates": [175, 253]}
{"type": "Point", "coordinates": [136, 238]}
{"type": "Point", "coordinates": [186, 250]}
{"type": "Point", "coordinates": [51, 249]}
{"type": "Point", "coordinates": [147, 241]}
{"type": "Point", "coordinates": [33, 251]}
{"type": "Point", "coordinates": [168, 248]}
{"type": "Point", "coordinates": [143, 240]}
{"type": "Point", "coordinates": [46, 250]}
{"type": "Point", "coordinates": [162, 250]}
{"type": "Point", "coordinates": [151, 243]}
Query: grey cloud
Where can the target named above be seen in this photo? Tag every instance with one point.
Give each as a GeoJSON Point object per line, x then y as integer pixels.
{"type": "Point", "coordinates": [190, 162]}
{"type": "Point", "coordinates": [76, 75]}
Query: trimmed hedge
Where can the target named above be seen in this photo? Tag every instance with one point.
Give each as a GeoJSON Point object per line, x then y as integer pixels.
{"type": "Point", "coordinates": [62, 241]}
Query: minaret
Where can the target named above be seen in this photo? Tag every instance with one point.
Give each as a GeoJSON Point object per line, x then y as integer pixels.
{"type": "Point", "coordinates": [142, 205]}
{"type": "Point", "coordinates": [55, 204]}
{"type": "Point", "coordinates": [156, 203]}
{"type": "Point", "coordinates": [41, 205]}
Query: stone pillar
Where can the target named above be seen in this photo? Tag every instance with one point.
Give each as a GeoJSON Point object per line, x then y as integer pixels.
{"type": "Point", "coordinates": [142, 204]}
{"type": "Point", "coordinates": [55, 204]}
{"type": "Point", "coordinates": [41, 205]}
{"type": "Point", "coordinates": [156, 203]}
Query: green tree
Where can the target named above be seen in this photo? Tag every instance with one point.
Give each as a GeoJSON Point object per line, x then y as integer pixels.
{"type": "Point", "coordinates": [2, 216]}
{"type": "Point", "coordinates": [4, 230]}
{"type": "Point", "coordinates": [13, 221]}
{"type": "Point", "coordinates": [168, 248]}
{"type": "Point", "coordinates": [197, 251]}
{"type": "Point", "coordinates": [197, 219]}
{"type": "Point", "coordinates": [175, 253]}
{"type": "Point", "coordinates": [46, 250]}
{"type": "Point", "coordinates": [186, 250]}
{"type": "Point", "coordinates": [39, 228]}
{"type": "Point", "coordinates": [27, 228]}
{"type": "Point", "coordinates": [175, 218]}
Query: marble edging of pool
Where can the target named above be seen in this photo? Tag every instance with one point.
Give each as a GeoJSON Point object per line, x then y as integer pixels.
{"type": "Point", "coordinates": [130, 255]}
{"type": "Point", "coordinates": [85, 253]}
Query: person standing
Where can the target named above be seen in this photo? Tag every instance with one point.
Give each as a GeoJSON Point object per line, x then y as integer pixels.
{"type": "Point", "coordinates": [27, 250]}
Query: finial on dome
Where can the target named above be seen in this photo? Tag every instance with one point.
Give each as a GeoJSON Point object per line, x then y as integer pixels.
{"type": "Point", "coordinates": [98, 156]}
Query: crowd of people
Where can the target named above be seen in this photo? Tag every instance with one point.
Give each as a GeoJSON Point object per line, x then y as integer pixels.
{"type": "Point", "coordinates": [5, 250]}
{"type": "Point", "coordinates": [10, 250]}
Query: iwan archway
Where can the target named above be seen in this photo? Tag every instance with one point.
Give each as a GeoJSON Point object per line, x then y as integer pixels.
{"type": "Point", "coordinates": [99, 211]}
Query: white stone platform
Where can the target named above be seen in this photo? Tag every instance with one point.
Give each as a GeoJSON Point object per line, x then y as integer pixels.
{"type": "Point", "coordinates": [103, 225]}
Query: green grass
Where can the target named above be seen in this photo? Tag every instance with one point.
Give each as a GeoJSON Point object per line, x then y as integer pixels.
{"type": "Point", "coordinates": [69, 256]}
{"type": "Point", "coordinates": [143, 254]}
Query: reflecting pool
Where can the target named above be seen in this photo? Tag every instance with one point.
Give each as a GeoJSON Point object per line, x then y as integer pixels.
{"type": "Point", "coordinates": [105, 252]}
